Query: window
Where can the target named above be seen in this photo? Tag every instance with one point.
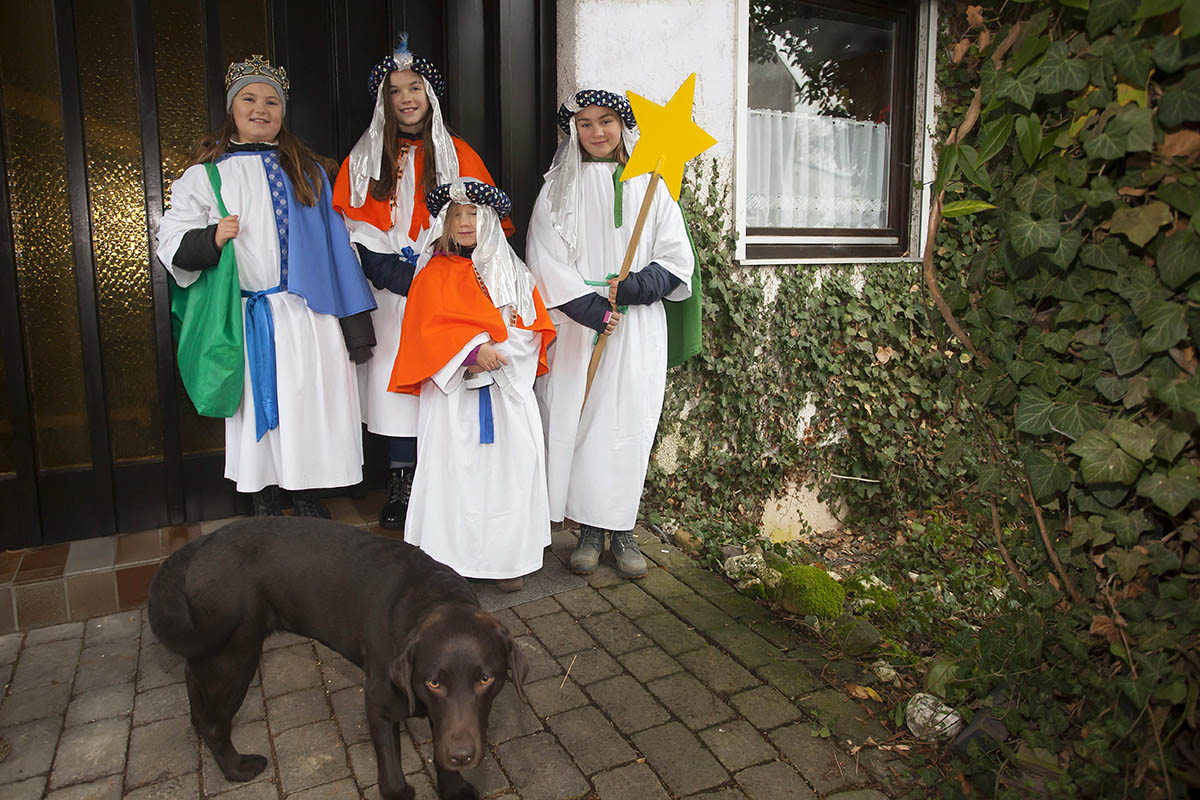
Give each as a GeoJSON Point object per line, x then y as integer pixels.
{"type": "Point", "coordinates": [826, 120]}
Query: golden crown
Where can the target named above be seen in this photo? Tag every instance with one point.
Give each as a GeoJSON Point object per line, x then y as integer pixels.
{"type": "Point", "coordinates": [257, 65]}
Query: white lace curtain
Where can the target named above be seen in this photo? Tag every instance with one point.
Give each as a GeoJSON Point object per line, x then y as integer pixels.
{"type": "Point", "coordinates": [809, 171]}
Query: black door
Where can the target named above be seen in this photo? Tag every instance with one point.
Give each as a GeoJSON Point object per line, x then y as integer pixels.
{"type": "Point", "coordinates": [101, 101]}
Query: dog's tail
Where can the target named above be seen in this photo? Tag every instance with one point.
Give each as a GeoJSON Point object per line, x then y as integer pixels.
{"type": "Point", "coordinates": [171, 617]}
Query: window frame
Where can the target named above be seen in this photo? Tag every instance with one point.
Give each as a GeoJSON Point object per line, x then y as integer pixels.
{"type": "Point", "coordinates": [911, 159]}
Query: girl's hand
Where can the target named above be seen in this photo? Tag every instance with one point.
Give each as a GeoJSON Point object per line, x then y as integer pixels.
{"type": "Point", "coordinates": [613, 283]}
{"type": "Point", "coordinates": [227, 229]}
{"type": "Point", "coordinates": [489, 358]}
{"type": "Point", "coordinates": [614, 318]}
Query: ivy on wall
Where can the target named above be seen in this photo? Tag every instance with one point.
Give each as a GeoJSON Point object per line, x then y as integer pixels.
{"type": "Point", "coordinates": [1039, 373]}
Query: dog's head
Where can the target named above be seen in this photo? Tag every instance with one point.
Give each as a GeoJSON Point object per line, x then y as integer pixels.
{"type": "Point", "coordinates": [455, 662]}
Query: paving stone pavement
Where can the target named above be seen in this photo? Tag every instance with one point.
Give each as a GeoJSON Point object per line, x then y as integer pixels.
{"type": "Point", "coordinates": [673, 686]}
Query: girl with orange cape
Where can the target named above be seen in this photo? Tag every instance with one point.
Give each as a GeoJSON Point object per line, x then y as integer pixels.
{"type": "Point", "coordinates": [474, 338]}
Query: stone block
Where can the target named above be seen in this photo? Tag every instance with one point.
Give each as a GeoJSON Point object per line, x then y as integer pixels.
{"type": "Point", "coordinates": [289, 669]}
{"type": "Point", "coordinates": [310, 756]}
{"type": "Point", "coordinates": [287, 711]}
{"type": "Point", "coordinates": [737, 745]}
{"type": "Point", "coordinates": [102, 703]}
{"type": "Point", "coordinates": [627, 703]}
{"type": "Point", "coordinates": [650, 663]}
{"type": "Point", "coordinates": [559, 633]}
{"type": "Point", "coordinates": [776, 781]}
{"type": "Point", "coordinates": [583, 602]}
{"type": "Point", "coordinates": [680, 759]}
{"type": "Point", "coordinates": [589, 666]}
{"type": "Point", "coordinates": [717, 671]}
{"type": "Point", "coordinates": [670, 633]}
{"type": "Point", "coordinates": [765, 708]}
{"type": "Point", "coordinates": [540, 766]}
{"type": "Point", "coordinates": [631, 600]}
{"type": "Point", "coordinates": [615, 632]}
{"type": "Point", "coordinates": [590, 739]}
{"type": "Point", "coordinates": [635, 780]}
{"type": "Point", "coordinates": [689, 700]}
{"type": "Point", "coordinates": [162, 750]}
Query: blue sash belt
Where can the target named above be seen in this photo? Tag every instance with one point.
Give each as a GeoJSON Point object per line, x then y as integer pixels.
{"type": "Point", "coordinates": [487, 432]}
{"type": "Point", "coordinates": [260, 352]}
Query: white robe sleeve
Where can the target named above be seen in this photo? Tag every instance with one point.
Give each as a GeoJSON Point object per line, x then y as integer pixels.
{"type": "Point", "coordinates": [193, 205]}
{"type": "Point", "coordinates": [672, 248]}
{"type": "Point", "coordinates": [548, 259]}
{"type": "Point", "coordinates": [450, 375]}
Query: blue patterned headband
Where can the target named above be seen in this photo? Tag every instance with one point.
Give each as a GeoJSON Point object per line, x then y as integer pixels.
{"type": "Point", "coordinates": [404, 59]}
{"type": "Point", "coordinates": [594, 97]}
{"type": "Point", "coordinates": [468, 191]}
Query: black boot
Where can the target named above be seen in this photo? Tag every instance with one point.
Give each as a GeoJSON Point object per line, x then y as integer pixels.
{"type": "Point", "coordinates": [395, 508]}
{"type": "Point", "coordinates": [306, 504]}
{"type": "Point", "coordinates": [266, 502]}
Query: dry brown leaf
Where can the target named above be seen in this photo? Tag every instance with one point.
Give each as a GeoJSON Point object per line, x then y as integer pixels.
{"type": "Point", "coordinates": [1107, 627]}
{"type": "Point", "coordinates": [1130, 191]}
{"type": "Point", "coordinates": [1181, 144]}
{"type": "Point", "coordinates": [960, 50]}
{"type": "Point", "coordinates": [884, 354]}
{"type": "Point", "coordinates": [985, 38]}
{"type": "Point", "coordinates": [863, 692]}
{"type": "Point", "coordinates": [975, 16]}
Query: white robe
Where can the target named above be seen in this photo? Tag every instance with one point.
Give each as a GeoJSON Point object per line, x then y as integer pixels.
{"type": "Point", "coordinates": [597, 462]}
{"type": "Point", "coordinates": [318, 443]}
{"type": "Point", "coordinates": [481, 509]}
{"type": "Point", "coordinates": [383, 412]}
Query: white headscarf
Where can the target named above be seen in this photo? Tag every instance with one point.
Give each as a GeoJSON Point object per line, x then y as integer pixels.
{"type": "Point", "coordinates": [367, 155]}
{"type": "Point", "coordinates": [504, 274]}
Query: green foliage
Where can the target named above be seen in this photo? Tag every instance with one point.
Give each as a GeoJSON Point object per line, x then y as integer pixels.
{"type": "Point", "coordinates": [805, 589]}
{"type": "Point", "coordinates": [1082, 298]}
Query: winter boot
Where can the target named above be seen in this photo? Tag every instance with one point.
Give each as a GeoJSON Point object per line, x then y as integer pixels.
{"type": "Point", "coordinates": [399, 489]}
{"type": "Point", "coordinates": [266, 502]}
{"type": "Point", "coordinates": [587, 550]}
{"type": "Point", "coordinates": [511, 584]}
{"type": "Point", "coordinates": [630, 562]}
{"type": "Point", "coordinates": [306, 504]}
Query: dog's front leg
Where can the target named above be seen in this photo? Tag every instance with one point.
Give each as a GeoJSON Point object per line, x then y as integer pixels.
{"type": "Point", "coordinates": [453, 786]}
{"type": "Point", "coordinates": [385, 735]}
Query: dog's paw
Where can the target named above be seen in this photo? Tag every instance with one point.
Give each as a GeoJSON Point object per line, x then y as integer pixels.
{"type": "Point", "coordinates": [405, 792]}
{"type": "Point", "coordinates": [244, 768]}
{"type": "Point", "coordinates": [465, 791]}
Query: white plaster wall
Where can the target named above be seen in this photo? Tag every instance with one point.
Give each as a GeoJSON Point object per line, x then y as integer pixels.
{"type": "Point", "coordinates": [650, 47]}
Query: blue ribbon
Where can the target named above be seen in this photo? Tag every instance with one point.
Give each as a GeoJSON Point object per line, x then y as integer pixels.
{"type": "Point", "coordinates": [409, 255]}
{"type": "Point", "coordinates": [487, 431]}
{"type": "Point", "coordinates": [260, 351]}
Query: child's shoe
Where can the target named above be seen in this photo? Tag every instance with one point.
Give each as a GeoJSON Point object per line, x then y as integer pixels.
{"type": "Point", "coordinates": [266, 502]}
{"type": "Point", "coordinates": [306, 504]}
{"type": "Point", "coordinates": [630, 562]}
{"type": "Point", "coordinates": [399, 489]}
{"type": "Point", "coordinates": [587, 550]}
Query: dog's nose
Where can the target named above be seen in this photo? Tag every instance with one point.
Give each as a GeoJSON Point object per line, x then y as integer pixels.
{"type": "Point", "coordinates": [461, 756]}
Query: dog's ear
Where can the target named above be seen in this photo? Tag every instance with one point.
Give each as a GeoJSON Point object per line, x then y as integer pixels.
{"type": "Point", "coordinates": [400, 670]}
{"type": "Point", "coordinates": [518, 667]}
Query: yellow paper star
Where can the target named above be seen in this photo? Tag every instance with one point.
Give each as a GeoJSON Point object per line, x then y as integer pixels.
{"type": "Point", "coordinates": [667, 132]}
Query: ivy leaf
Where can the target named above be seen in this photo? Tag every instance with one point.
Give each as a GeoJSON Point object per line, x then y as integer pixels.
{"type": "Point", "coordinates": [1137, 440]}
{"type": "Point", "coordinates": [961, 208]}
{"type": "Point", "coordinates": [1182, 396]}
{"type": "Point", "coordinates": [1155, 8]}
{"type": "Point", "coordinates": [1181, 102]}
{"type": "Point", "coordinates": [1179, 258]}
{"type": "Point", "coordinates": [1066, 250]}
{"type": "Point", "coordinates": [1073, 416]}
{"type": "Point", "coordinates": [1134, 126]}
{"type": "Point", "coordinates": [1060, 73]}
{"type": "Point", "coordinates": [1033, 411]}
{"type": "Point", "coordinates": [1189, 18]}
{"type": "Point", "coordinates": [993, 137]}
{"type": "Point", "coordinates": [1029, 137]}
{"type": "Point", "coordinates": [1168, 53]}
{"type": "Point", "coordinates": [1163, 561]}
{"type": "Point", "coordinates": [1184, 198]}
{"type": "Point", "coordinates": [1171, 491]}
{"type": "Point", "coordinates": [1104, 143]}
{"type": "Point", "coordinates": [1107, 255]}
{"type": "Point", "coordinates": [1028, 235]}
{"type": "Point", "coordinates": [1171, 437]}
{"type": "Point", "coordinates": [1139, 224]}
{"type": "Point", "coordinates": [1104, 14]}
{"type": "Point", "coordinates": [1167, 323]}
{"type": "Point", "coordinates": [947, 161]}
{"type": "Point", "coordinates": [1127, 353]}
{"type": "Point", "coordinates": [1112, 387]}
{"type": "Point", "coordinates": [1128, 562]}
{"type": "Point", "coordinates": [1047, 476]}
{"type": "Point", "coordinates": [1021, 90]}
{"type": "Point", "coordinates": [1102, 461]}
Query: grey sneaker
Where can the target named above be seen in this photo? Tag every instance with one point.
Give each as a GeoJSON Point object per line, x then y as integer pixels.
{"type": "Point", "coordinates": [630, 562]}
{"type": "Point", "coordinates": [587, 550]}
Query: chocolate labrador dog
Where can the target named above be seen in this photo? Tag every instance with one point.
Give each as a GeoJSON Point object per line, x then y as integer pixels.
{"type": "Point", "coordinates": [413, 626]}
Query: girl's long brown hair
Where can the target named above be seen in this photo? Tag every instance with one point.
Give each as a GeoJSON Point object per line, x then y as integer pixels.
{"type": "Point", "coordinates": [297, 160]}
{"type": "Point", "coordinates": [385, 187]}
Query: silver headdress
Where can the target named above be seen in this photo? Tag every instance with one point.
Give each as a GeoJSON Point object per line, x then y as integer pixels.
{"type": "Point", "coordinates": [366, 157]}
{"type": "Point", "coordinates": [255, 70]}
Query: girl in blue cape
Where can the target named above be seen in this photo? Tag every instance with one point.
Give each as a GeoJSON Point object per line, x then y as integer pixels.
{"type": "Point", "coordinates": [305, 300]}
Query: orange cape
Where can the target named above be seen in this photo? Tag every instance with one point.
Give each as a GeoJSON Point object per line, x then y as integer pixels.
{"type": "Point", "coordinates": [379, 212]}
{"type": "Point", "coordinates": [447, 308]}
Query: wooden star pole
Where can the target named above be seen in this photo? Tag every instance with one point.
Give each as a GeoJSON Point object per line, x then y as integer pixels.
{"type": "Point", "coordinates": [669, 139]}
